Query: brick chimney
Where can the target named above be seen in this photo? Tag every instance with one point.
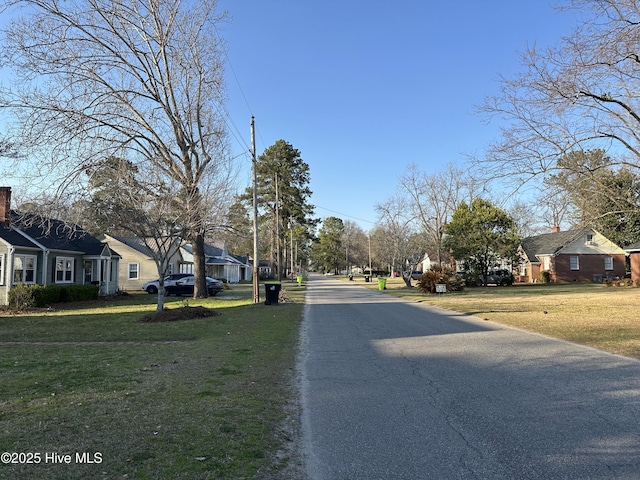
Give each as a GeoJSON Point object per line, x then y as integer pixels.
{"type": "Point", "coordinates": [555, 229]}
{"type": "Point", "coordinates": [5, 205]}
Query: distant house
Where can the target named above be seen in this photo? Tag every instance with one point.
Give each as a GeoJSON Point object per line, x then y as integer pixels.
{"type": "Point", "coordinates": [264, 267]}
{"type": "Point", "coordinates": [36, 251]}
{"type": "Point", "coordinates": [137, 265]}
{"type": "Point", "coordinates": [219, 263]}
{"type": "Point", "coordinates": [582, 255]}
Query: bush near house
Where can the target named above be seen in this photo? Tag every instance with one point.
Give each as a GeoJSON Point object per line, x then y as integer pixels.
{"type": "Point", "coordinates": [25, 296]}
{"type": "Point", "coordinates": [439, 274]}
{"type": "Point", "coordinates": [544, 277]}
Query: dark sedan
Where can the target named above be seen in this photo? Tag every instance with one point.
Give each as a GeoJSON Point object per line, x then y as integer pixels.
{"type": "Point", "coordinates": [184, 286]}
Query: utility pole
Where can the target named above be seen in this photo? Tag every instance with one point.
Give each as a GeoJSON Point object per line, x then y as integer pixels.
{"type": "Point", "coordinates": [291, 253]}
{"type": "Point", "coordinates": [256, 265]}
{"type": "Point", "coordinates": [278, 247]}
{"type": "Point", "coordinates": [370, 271]}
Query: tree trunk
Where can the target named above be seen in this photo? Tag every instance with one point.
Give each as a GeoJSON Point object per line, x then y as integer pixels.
{"type": "Point", "coordinates": [199, 270]}
{"type": "Point", "coordinates": [161, 291]}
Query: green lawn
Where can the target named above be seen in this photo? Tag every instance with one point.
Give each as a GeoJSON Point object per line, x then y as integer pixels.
{"type": "Point", "coordinates": [190, 399]}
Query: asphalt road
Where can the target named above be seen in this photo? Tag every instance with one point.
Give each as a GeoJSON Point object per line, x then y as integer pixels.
{"type": "Point", "coordinates": [398, 390]}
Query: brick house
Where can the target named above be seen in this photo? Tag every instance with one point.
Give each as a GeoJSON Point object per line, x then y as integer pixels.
{"type": "Point", "coordinates": [582, 255]}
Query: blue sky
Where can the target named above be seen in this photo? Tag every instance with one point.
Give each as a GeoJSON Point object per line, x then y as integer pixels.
{"type": "Point", "coordinates": [363, 89]}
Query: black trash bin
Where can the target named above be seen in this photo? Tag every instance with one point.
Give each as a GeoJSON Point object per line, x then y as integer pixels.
{"type": "Point", "coordinates": [272, 291]}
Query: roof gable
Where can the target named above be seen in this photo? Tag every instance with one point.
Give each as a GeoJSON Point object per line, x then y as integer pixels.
{"type": "Point", "coordinates": [569, 241]}
{"type": "Point", "coordinates": [13, 237]}
{"type": "Point", "coordinates": [547, 243]}
{"type": "Point", "coordinates": [134, 243]}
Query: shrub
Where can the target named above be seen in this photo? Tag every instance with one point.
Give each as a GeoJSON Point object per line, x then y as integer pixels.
{"type": "Point", "coordinates": [439, 274]}
{"type": "Point", "coordinates": [78, 293]}
{"type": "Point", "coordinates": [544, 277]}
{"type": "Point", "coordinates": [24, 296]}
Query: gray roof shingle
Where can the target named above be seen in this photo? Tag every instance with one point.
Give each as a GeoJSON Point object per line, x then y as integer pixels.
{"type": "Point", "coordinates": [548, 243]}
{"type": "Point", "coordinates": [51, 234]}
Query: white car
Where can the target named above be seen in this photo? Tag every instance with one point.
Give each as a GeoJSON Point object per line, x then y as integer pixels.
{"type": "Point", "coordinates": [153, 286]}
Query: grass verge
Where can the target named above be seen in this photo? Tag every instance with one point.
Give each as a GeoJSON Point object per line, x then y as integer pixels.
{"type": "Point", "coordinates": [600, 316]}
{"type": "Point", "coordinates": [97, 394]}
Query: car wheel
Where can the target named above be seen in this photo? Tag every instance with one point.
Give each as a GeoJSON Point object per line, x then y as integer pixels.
{"type": "Point", "coordinates": [152, 290]}
{"type": "Point", "coordinates": [504, 283]}
{"type": "Point", "coordinates": [213, 294]}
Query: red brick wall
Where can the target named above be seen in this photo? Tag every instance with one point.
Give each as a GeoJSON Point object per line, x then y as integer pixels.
{"type": "Point", "coordinates": [534, 271]}
{"type": "Point", "coordinates": [590, 265]}
{"type": "Point", "coordinates": [634, 259]}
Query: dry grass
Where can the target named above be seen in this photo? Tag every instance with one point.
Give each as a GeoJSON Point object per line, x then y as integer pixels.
{"type": "Point", "coordinates": [603, 317]}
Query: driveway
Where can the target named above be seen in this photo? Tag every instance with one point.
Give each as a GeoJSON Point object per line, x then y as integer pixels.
{"type": "Point", "coordinates": [398, 390]}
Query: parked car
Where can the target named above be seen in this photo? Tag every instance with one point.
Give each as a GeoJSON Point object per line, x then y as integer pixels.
{"type": "Point", "coordinates": [153, 286]}
{"type": "Point", "coordinates": [184, 286]}
{"type": "Point", "coordinates": [500, 276]}
{"type": "Point", "coordinates": [415, 275]}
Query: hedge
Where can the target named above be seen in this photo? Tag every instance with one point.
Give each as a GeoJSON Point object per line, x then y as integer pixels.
{"type": "Point", "coordinates": [23, 296]}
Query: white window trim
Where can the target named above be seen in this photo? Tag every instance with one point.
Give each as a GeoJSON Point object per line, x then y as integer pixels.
{"type": "Point", "coordinates": [577, 262]}
{"type": "Point", "coordinates": [64, 260]}
{"type": "Point", "coordinates": [24, 270]}
{"type": "Point", "coordinates": [137, 271]}
{"type": "Point", "coordinates": [608, 263]}
{"type": "Point", "coordinates": [3, 260]}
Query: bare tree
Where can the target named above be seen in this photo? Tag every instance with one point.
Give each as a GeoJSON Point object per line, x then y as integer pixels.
{"type": "Point", "coordinates": [136, 203]}
{"type": "Point", "coordinates": [434, 197]}
{"type": "Point", "coordinates": [401, 246]}
{"type": "Point", "coordinates": [355, 243]}
{"type": "Point", "coordinates": [7, 149]}
{"type": "Point", "coordinates": [138, 80]}
{"type": "Point", "coordinates": [583, 94]}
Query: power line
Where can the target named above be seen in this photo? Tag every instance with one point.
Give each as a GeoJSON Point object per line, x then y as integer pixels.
{"type": "Point", "coordinates": [345, 215]}
{"type": "Point", "coordinates": [232, 127]}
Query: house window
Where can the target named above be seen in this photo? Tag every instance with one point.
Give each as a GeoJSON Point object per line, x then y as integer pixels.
{"type": "Point", "coordinates": [64, 269]}
{"type": "Point", "coordinates": [546, 263]}
{"type": "Point", "coordinates": [24, 269]}
{"type": "Point", "coordinates": [574, 262]}
{"type": "Point", "coordinates": [2, 269]}
{"type": "Point", "coordinates": [608, 263]}
{"type": "Point", "coordinates": [134, 269]}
